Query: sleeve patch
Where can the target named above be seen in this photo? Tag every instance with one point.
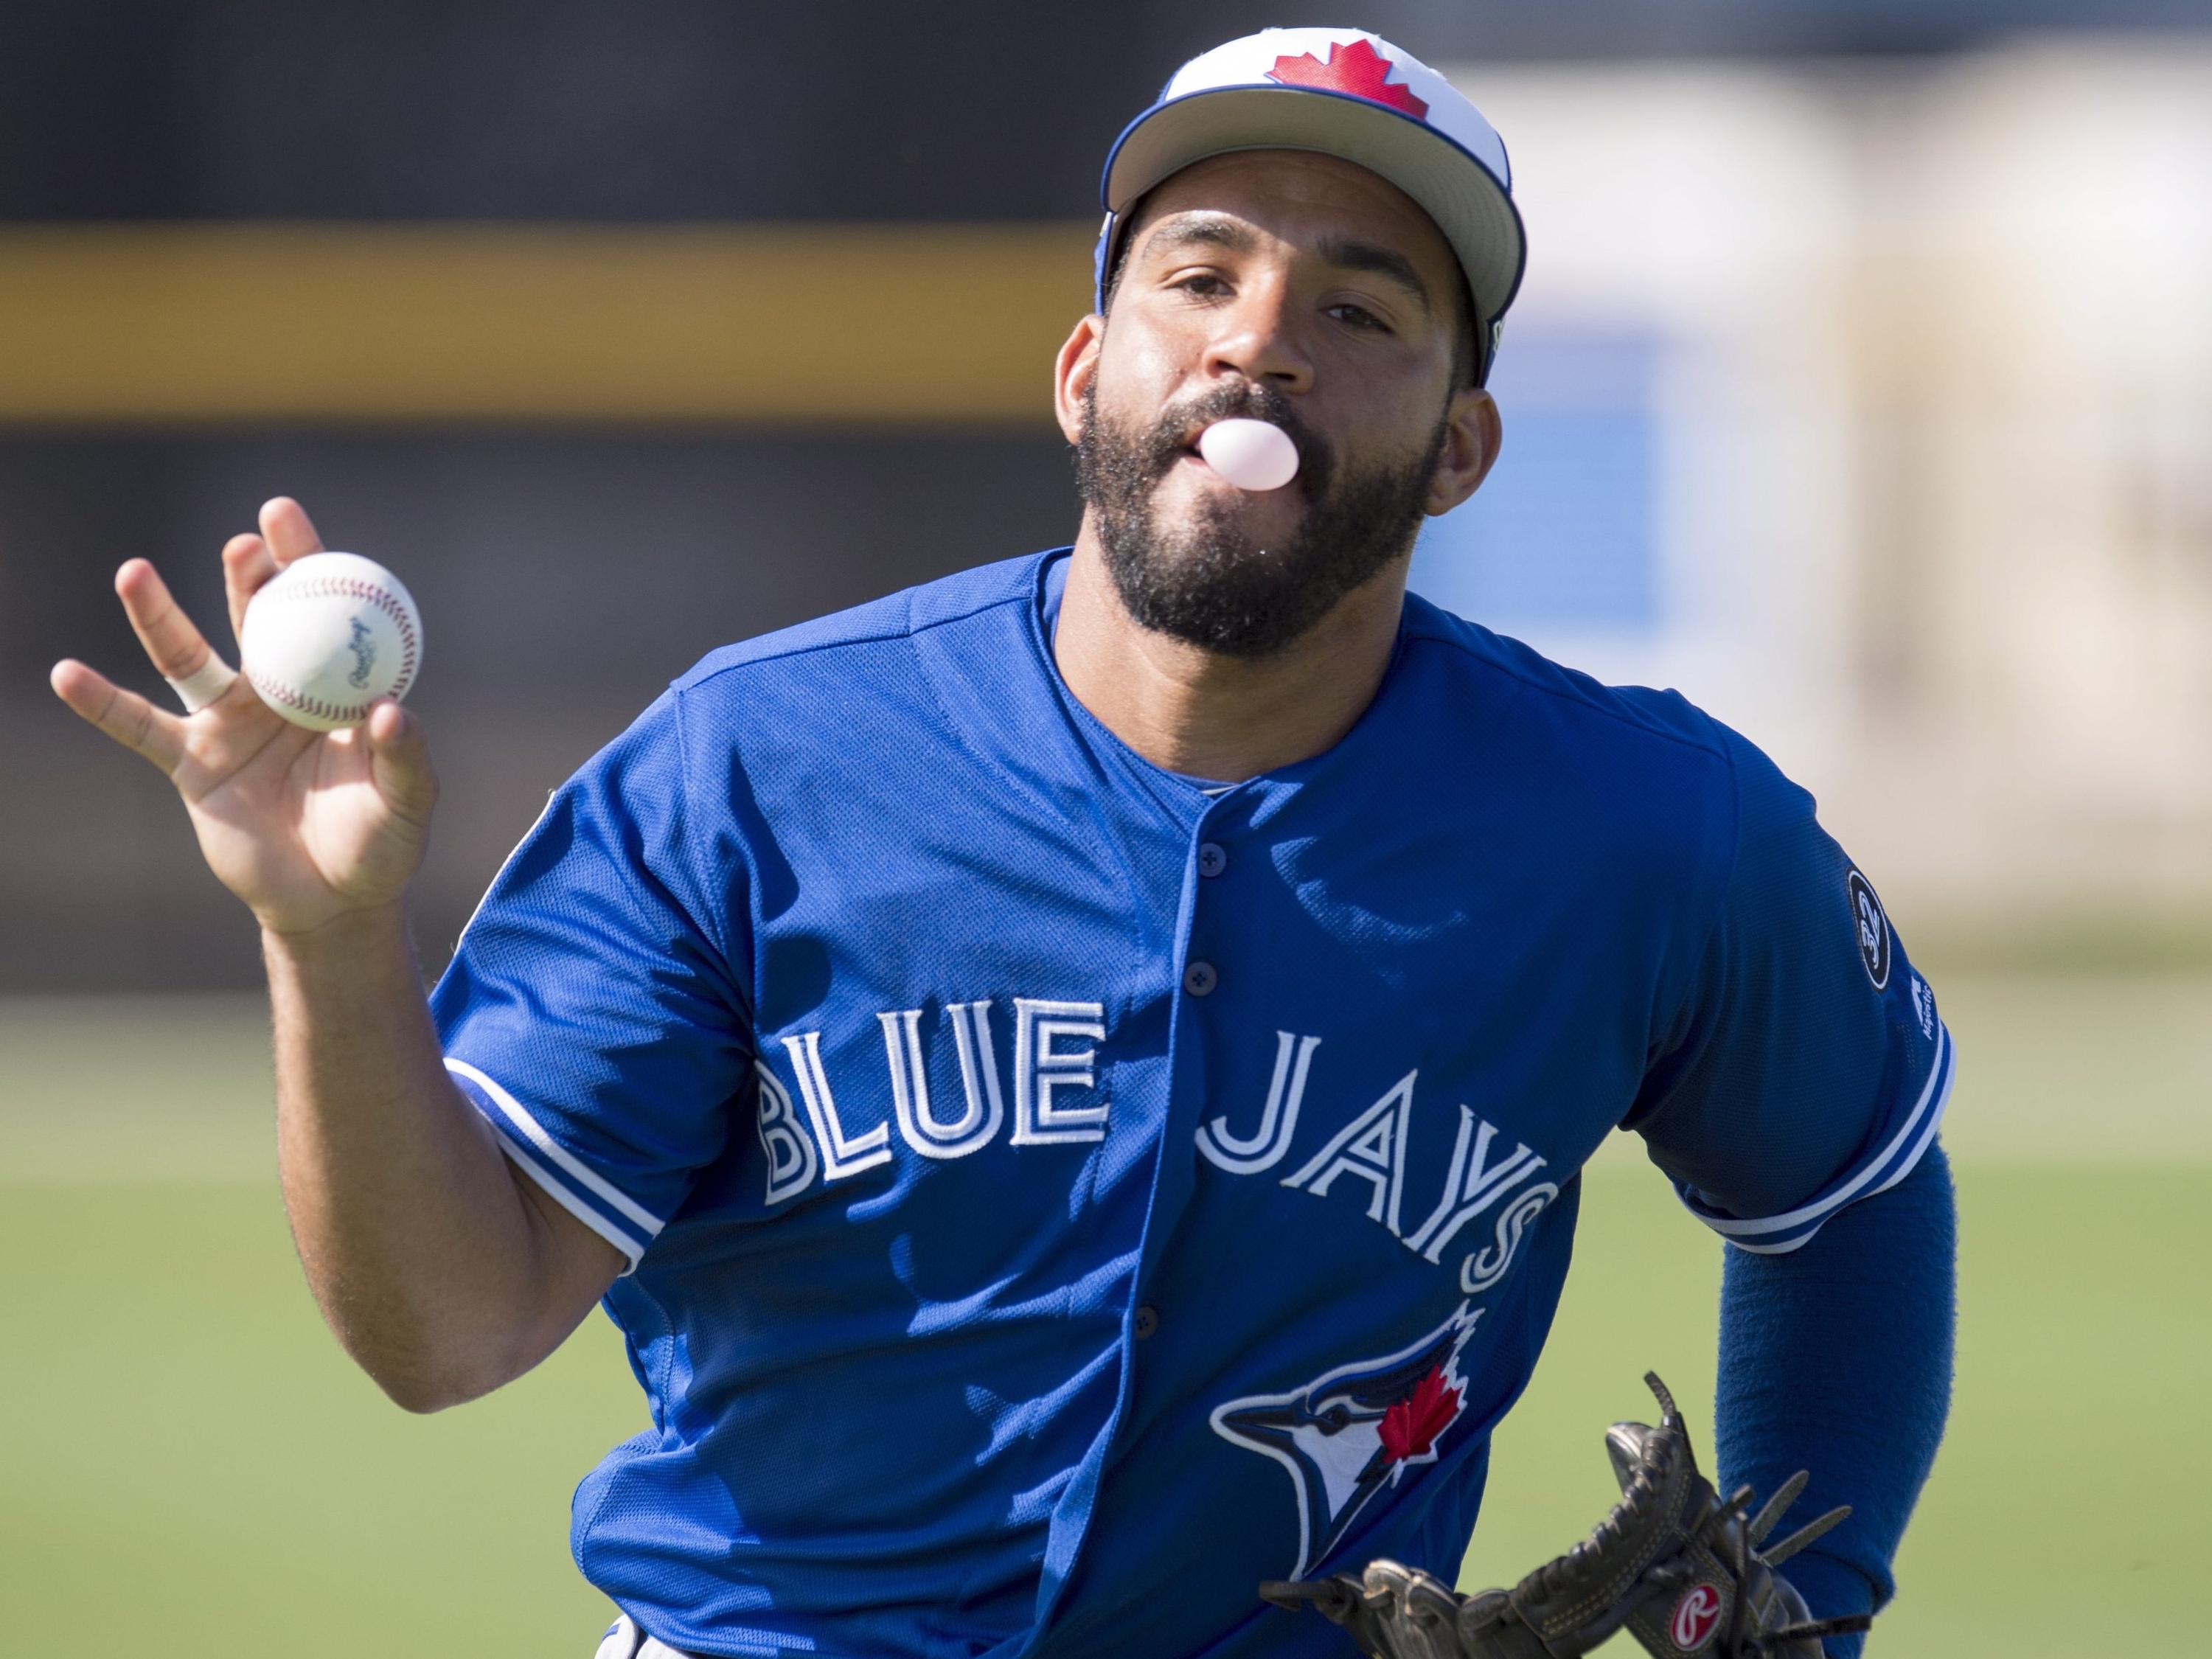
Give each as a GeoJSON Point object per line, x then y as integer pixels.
{"type": "Point", "coordinates": [1871, 923]}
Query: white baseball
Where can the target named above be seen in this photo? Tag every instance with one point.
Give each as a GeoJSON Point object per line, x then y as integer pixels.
{"type": "Point", "coordinates": [329, 635]}
{"type": "Point", "coordinates": [1253, 455]}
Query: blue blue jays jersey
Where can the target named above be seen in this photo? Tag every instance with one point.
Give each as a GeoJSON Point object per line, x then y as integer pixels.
{"type": "Point", "coordinates": [1059, 1195]}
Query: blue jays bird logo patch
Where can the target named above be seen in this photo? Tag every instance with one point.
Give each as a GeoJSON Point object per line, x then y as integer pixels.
{"type": "Point", "coordinates": [1872, 926]}
{"type": "Point", "coordinates": [1347, 1434]}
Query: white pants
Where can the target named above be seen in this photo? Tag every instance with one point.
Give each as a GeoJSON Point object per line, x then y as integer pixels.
{"type": "Point", "coordinates": [624, 1640]}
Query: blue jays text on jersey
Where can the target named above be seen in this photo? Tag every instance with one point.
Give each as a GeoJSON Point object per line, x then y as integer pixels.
{"type": "Point", "coordinates": [1040, 1174]}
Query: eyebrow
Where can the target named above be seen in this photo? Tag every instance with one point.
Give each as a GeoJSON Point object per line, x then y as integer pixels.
{"type": "Point", "coordinates": [1349, 255]}
{"type": "Point", "coordinates": [1194, 229]}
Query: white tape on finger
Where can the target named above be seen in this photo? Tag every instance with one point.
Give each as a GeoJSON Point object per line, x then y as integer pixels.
{"type": "Point", "coordinates": [204, 684]}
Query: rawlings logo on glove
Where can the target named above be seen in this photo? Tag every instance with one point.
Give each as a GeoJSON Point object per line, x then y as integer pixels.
{"type": "Point", "coordinates": [1676, 1565]}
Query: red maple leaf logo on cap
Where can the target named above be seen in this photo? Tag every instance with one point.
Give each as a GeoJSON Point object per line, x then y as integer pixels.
{"type": "Point", "coordinates": [1409, 1428]}
{"type": "Point", "coordinates": [1358, 69]}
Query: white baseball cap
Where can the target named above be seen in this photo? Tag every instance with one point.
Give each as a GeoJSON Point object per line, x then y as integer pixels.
{"type": "Point", "coordinates": [1343, 93]}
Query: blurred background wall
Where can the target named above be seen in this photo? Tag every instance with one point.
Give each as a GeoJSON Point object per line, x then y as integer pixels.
{"type": "Point", "coordinates": [1872, 406]}
{"type": "Point", "coordinates": [1861, 387]}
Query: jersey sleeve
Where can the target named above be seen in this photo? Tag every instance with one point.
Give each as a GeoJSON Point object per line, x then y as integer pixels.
{"type": "Point", "coordinates": [590, 1012]}
{"type": "Point", "coordinates": [1807, 1068]}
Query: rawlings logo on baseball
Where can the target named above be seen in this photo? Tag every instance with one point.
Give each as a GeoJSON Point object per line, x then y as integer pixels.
{"type": "Point", "coordinates": [1697, 1616]}
{"type": "Point", "coordinates": [363, 646]}
{"type": "Point", "coordinates": [329, 635]}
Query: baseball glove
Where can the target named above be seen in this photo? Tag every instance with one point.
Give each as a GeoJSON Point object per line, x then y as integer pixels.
{"type": "Point", "coordinates": [1679, 1568]}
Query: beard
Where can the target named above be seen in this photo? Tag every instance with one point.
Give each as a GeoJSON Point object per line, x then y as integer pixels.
{"type": "Point", "coordinates": [1203, 581]}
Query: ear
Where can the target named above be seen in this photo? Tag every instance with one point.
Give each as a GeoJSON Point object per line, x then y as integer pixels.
{"type": "Point", "coordinates": [1472, 441]}
{"type": "Point", "coordinates": [1073, 372]}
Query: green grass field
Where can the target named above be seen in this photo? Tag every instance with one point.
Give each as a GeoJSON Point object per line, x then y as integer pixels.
{"type": "Point", "coordinates": [190, 1467]}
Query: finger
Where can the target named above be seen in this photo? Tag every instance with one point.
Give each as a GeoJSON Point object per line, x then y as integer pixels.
{"type": "Point", "coordinates": [287, 528]}
{"type": "Point", "coordinates": [246, 563]}
{"type": "Point", "coordinates": [401, 757]}
{"type": "Point", "coordinates": [124, 716]}
{"type": "Point", "coordinates": [175, 646]}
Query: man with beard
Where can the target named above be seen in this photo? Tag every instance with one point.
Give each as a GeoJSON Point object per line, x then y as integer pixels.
{"type": "Point", "coordinates": [1071, 1079]}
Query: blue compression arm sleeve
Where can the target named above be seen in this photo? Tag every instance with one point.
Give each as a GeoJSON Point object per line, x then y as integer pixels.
{"type": "Point", "coordinates": [1836, 1358]}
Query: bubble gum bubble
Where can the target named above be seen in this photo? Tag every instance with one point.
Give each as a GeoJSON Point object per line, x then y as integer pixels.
{"type": "Point", "coordinates": [1250, 455]}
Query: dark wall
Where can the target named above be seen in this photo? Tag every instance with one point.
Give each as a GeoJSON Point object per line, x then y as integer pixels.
{"type": "Point", "coordinates": [563, 581]}
{"type": "Point", "coordinates": [722, 109]}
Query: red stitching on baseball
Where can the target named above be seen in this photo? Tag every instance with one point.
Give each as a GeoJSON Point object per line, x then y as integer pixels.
{"type": "Point", "coordinates": [348, 587]}
{"type": "Point", "coordinates": [306, 705]}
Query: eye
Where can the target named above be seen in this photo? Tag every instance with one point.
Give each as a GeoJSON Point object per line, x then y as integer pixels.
{"type": "Point", "coordinates": [1355, 315]}
{"type": "Point", "coordinates": [1202, 285]}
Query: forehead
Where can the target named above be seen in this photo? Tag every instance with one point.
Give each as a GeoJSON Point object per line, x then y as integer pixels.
{"type": "Point", "coordinates": [1302, 196]}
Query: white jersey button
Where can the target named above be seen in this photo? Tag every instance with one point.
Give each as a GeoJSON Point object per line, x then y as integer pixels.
{"type": "Point", "coordinates": [1199, 979]}
{"type": "Point", "coordinates": [1146, 1321]}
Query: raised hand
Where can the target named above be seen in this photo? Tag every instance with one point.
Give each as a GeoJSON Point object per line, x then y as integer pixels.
{"type": "Point", "coordinates": [305, 827]}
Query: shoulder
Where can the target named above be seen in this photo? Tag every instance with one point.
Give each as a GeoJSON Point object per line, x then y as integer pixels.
{"type": "Point", "coordinates": [850, 676]}
{"type": "Point", "coordinates": [1650, 764]}
{"type": "Point", "coordinates": [844, 642]}
{"type": "Point", "coordinates": [1662, 726]}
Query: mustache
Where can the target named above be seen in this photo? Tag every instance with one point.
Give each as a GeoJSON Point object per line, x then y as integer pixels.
{"type": "Point", "coordinates": [1171, 436]}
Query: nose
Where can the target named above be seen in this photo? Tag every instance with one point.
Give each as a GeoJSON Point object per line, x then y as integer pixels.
{"type": "Point", "coordinates": [1254, 338]}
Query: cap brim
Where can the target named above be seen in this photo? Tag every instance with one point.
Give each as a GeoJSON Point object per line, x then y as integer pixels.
{"type": "Point", "coordinates": [1469, 203]}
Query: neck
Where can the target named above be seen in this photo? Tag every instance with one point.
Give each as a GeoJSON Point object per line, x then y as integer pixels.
{"type": "Point", "coordinates": [1193, 711]}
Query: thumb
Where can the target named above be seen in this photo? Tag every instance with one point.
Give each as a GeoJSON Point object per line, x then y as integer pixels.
{"type": "Point", "coordinates": [399, 760]}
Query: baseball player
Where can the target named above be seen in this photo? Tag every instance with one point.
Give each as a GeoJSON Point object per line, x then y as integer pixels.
{"type": "Point", "coordinates": [1071, 1080]}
